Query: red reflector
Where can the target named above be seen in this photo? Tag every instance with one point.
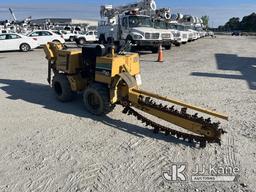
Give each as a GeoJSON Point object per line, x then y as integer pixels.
{"type": "Point", "coordinates": [35, 39]}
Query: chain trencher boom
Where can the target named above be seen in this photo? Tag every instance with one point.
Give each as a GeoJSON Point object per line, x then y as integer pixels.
{"type": "Point", "coordinates": [201, 138]}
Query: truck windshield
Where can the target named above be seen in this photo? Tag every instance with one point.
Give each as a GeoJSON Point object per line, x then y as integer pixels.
{"type": "Point", "coordinates": [188, 27]}
{"type": "Point", "coordinates": [198, 29]}
{"type": "Point", "coordinates": [181, 28]}
{"type": "Point", "coordinates": [140, 21]}
{"type": "Point", "coordinates": [159, 24]}
{"type": "Point", "coordinates": [171, 26]}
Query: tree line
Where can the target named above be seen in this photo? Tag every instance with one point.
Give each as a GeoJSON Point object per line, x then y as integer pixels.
{"type": "Point", "coordinates": [247, 24]}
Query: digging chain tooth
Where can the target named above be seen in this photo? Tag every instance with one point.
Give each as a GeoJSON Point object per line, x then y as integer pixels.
{"type": "Point", "coordinates": [190, 139]}
{"type": "Point", "coordinates": [147, 100]}
{"type": "Point", "coordinates": [178, 135]}
{"type": "Point", "coordinates": [171, 108]}
{"type": "Point", "coordinates": [125, 110]}
{"type": "Point", "coordinates": [222, 131]}
{"type": "Point", "coordinates": [165, 107]}
{"type": "Point", "coordinates": [172, 132]}
{"type": "Point", "coordinates": [156, 130]}
{"type": "Point", "coordinates": [208, 120]}
{"type": "Point", "coordinates": [164, 129]}
{"type": "Point", "coordinates": [168, 131]}
{"type": "Point", "coordinates": [216, 124]}
{"type": "Point", "coordinates": [202, 144]}
{"type": "Point", "coordinates": [183, 111]}
{"type": "Point", "coordinates": [201, 119]}
{"type": "Point", "coordinates": [185, 137]}
{"type": "Point", "coordinates": [195, 116]}
{"type": "Point", "coordinates": [130, 112]}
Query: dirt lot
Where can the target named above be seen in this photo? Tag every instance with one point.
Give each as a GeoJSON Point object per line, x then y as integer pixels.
{"type": "Point", "coordinates": [51, 146]}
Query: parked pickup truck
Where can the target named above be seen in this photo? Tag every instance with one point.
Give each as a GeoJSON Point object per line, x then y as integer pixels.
{"type": "Point", "coordinates": [89, 36]}
{"type": "Point", "coordinates": [67, 35]}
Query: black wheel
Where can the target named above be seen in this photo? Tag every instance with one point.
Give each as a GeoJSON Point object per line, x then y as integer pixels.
{"type": "Point", "coordinates": [129, 39]}
{"type": "Point", "coordinates": [96, 99]}
{"type": "Point", "coordinates": [167, 47]}
{"type": "Point", "coordinates": [177, 44]}
{"type": "Point", "coordinates": [154, 50]}
{"type": "Point", "coordinates": [24, 47]}
{"type": "Point", "coordinates": [102, 40]}
{"type": "Point", "coordinates": [56, 41]}
{"type": "Point", "coordinates": [110, 40]}
{"type": "Point", "coordinates": [131, 47]}
{"type": "Point", "coordinates": [81, 41]}
{"type": "Point", "coordinates": [71, 39]}
{"type": "Point", "coordinates": [62, 88]}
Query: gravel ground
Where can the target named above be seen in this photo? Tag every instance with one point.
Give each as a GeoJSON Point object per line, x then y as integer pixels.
{"type": "Point", "coordinates": [51, 146]}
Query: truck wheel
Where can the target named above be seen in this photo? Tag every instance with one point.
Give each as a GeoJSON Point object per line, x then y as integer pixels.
{"type": "Point", "coordinates": [71, 38]}
{"type": "Point", "coordinates": [24, 47]}
{"type": "Point", "coordinates": [129, 39]}
{"type": "Point", "coordinates": [62, 88]}
{"type": "Point", "coordinates": [110, 41]}
{"type": "Point", "coordinates": [56, 41]}
{"type": "Point", "coordinates": [154, 50]}
{"type": "Point", "coordinates": [177, 44]}
{"type": "Point", "coordinates": [167, 47]}
{"type": "Point", "coordinates": [96, 99]}
{"type": "Point", "coordinates": [102, 40]}
{"type": "Point", "coordinates": [81, 41]}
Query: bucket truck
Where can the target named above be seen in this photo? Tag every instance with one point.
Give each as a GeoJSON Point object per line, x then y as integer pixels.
{"type": "Point", "coordinates": [130, 23]}
{"type": "Point", "coordinates": [180, 33]}
{"type": "Point", "coordinates": [161, 15]}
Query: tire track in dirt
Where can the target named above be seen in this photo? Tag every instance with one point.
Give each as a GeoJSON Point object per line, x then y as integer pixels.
{"type": "Point", "coordinates": [143, 165]}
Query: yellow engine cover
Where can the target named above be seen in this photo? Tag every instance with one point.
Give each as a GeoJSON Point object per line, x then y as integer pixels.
{"type": "Point", "coordinates": [68, 61]}
{"type": "Point", "coordinates": [108, 67]}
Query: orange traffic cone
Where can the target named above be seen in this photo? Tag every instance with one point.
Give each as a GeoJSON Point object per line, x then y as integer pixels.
{"type": "Point", "coordinates": [160, 54]}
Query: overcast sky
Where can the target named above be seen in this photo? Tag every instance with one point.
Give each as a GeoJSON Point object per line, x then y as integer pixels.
{"type": "Point", "coordinates": [218, 10]}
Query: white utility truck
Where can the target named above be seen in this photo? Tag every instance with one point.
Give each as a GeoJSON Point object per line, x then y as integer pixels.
{"type": "Point", "coordinates": [160, 23]}
{"type": "Point", "coordinates": [130, 23]}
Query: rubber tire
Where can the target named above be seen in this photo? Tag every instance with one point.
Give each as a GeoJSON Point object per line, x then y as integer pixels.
{"type": "Point", "coordinates": [154, 50]}
{"type": "Point", "coordinates": [81, 41]}
{"type": "Point", "coordinates": [56, 41]}
{"type": "Point", "coordinates": [24, 47]}
{"type": "Point", "coordinates": [71, 39]}
{"type": "Point", "coordinates": [110, 40]}
{"type": "Point", "coordinates": [62, 88]}
{"type": "Point", "coordinates": [102, 93]}
{"type": "Point", "coordinates": [177, 44]}
{"type": "Point", "coordinates": [102, 40]}
{"type": "Point", "coordinates": [168, 47]}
